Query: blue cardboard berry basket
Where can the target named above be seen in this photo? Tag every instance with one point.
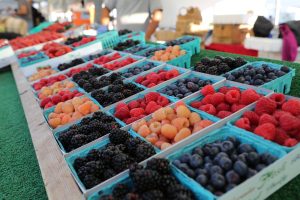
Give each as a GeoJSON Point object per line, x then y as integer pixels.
{"type": "Point", "coordinates": [24, 63]}
{"type": "Point", "coordinates": [222, 134]}
{"type": "Point", "coordinates": [198, 96]}
{"type": "Point", "coordinates": [215, 80]}
{"type": "Point", "coordinates": [183, 60]}
{"type": "Point", "coordinates": [192, 46]}
{"type": "Point", "coordinates": [143, 47]}
{"type": "Point", "coordinates": [59, 131]}
{"type": "Point", "coordinates": [82, 153]}
{"type": "Point", "coordinates": [137, 58]}
{"type": "Point", "coordinates": [150, 51]}
{"type": "Point", "coordinates": [31, 82]}
{"type": "Point", "coordinates": [107, 190]}
{"type": "Point", "coordinates": [109, 39]}
{"type": "Point", "coordinates": [139, 36]}
{"type": "Point", "coordinates": [232, 121]}
{"type": "Point", "coordinates": [97, 55]}
{"type": "Point", "coordinates": [85, 45]}
{"type": "Point", "coordinates": [281, 84]}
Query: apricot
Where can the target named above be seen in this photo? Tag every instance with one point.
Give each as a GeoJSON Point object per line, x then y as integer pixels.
{"type": "Point", "coordinates": [66, 119]}
{"type": "Point", "coordinates": [67, 107]}
{"type": "Point", "coordinates": [58, 108]}
{"type": "Point", "coordinates": [85, 108]}
{"type": "Point", "coordinates": [54, 122]}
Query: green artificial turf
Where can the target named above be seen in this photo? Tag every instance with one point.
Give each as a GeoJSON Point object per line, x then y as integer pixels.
{"type": "Point", "coordinates": [20, 176]}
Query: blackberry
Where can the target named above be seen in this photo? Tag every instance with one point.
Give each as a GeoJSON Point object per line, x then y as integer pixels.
{"type": "Point", "coordinates": [205, 61]}
{"type": "Point", "coordinates": [132, 144]}
{"type": "Point", "coordinates": [144, 180]}
{"type": "Point", "coordinates": [214, 62]}
{"type": "Point", "coordinates": [131, 196]}
{"type": "Point", "coordinates": [90, 181]}
{"type": "Point", "coordinates": [160, 165]}
{"type": "Point", "coordinates": [201, 67]}
{"type": "Point", "coordinates": [118, 136]}
{"type": "Point", "coordinates": [130, 86]}
{"type": "Point", "coordinates": [120, 191]}
{"type": "Point", "coordinates": [144, 151]}
{"type": "Point", "coordinates": [92, 155]}
{"type": "Point", "coordinates": [108, 173]}
{"type": "Point", "coordinates": [167, 181]}
{"type": "Point", "coordinates": [85, 121]}
{"type": "Point", "coordinates": [223, 68]}
{"type": "Point", "coordinates": [179, 190]}
{"type": "Point", "coordinates": [120, 162]}
{"type": "Point", "coordinates": [134, 167]}
{"type": "Point", "coordinates": [87, 87]}
{"type": "Point", "coordinates": [153, 194]}
{"type": "Point", "coordinates": [230, 62]}
{"type": "Point", "coordinates": [239, 62]}
{"type": "Point", "coordinates": [77, 141]}
{"type": "Point", "coordinates": [213, 70]}
{"type": "Point", "coordinates": [81, 82]}
{"type": "Point", "coordinates": [79, 162]}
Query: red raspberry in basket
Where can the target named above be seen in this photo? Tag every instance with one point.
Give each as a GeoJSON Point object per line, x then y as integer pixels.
{"type": "Point", "coordinates": [136, 112]}
{"type": "Point", "coordinates": [139, 79]}
{"type": "Point", "coordinates": [151, 107]}
{"type": "Point", "coordinates": [56, 99]}
{"type": "Point", "coordinates": [209, 108]}
{"type": "Point", "coordinates": [145, 82]}
{"type": "Point", "coordinates": [133, 104]}
{"type": "Point", "coordinates": [236, 107]}
{"type": "Point", "coordinates": [236, 89]}
{"type": "Point", "coordinates": [120, 105]}
{"type": "Point", "coordinates": [243, 123]}
{"type": "Point", "coordinates": [171, 74]}
{"type": "Point", "coordinates": [131, 120]}
{"type": "Point", "coordinates": [222, 114]}
{"type": "Point", "coordinates": [292, 106]}
{"type": "Point", "coordinates": [289, 122]}
{"type": "Point", "coordinates": [153, 78]}
{"type": "Point", "coordinates": [278, 98]}
{"type": "Point", "coordinates": [122, 113]}
{"type": "Point", "coordinates": [252, 116]}
{"type": "Point", "coordinates": [266, 118]}
{"type": "Point", "coordinates": [163, 101]}
{"type": "Point", "coordinates": [267, 131]}
{"type": "Point", "coordinates": [223, 107]}
{"type": "Point", "coordinates": [151, 96]}
{"type": "Point", "coordinates": [278, 113]}
{"type": "Point", "coordinates": [196, 104]}
{"type": "Point", "coordinates": [249, 96]}
{"type": "Point", "coordinates": [281, 136]}
{"type": "Point", "coordinates": [265, 105]}
{"type": "Point", "coordinates": [151, 85]}
{"type": "Point", "coordinates": [224, 89]}
{"type": "Point", "coordinates": [232, 96]}
{"type": "Point", "coordinates": [217, 98]}
{"type": "Point", "coordinates": [207, 99]}
{"type": "Point", "coordinates": [294, 133]}
{"type": "Point", "coordinates": [290, 142]}
{"type": "Point", "coordinates": [45, 101]}
{"type": "Point", "coordinates": [162, 76]}
{"type": "Point", "coordinates": [208, 89]}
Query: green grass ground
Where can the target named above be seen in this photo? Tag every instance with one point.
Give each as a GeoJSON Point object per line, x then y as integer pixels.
{"type": "Point", "coordinates": [20, 177]}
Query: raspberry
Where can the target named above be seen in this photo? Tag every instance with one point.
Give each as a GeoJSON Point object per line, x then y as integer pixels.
{"type": "Point", "coordinates": [288, 122]}
{"type": "Point", "coordinates": [139, 79]}
{"type": "Point", "coordinates": [281, 136]}
{"type": "Point", "coordinates": [236, 107]}
{"type": "Point", "coordinates": [133, 104]}
{"type": "Point", "coordinates": [162, 76]}
{"type": "Point", "coordinates": [196, 104]}
{"type": "Point", "coordinates": [151, 96]}
{"type": "Point", "coordinates": [136, 112]}
{"type": "Point", "coordinates": [224, 89]}
{"type": "Point", "coordinates": [278, 113]}
{"type": "Point", "coordinates": [243, 123]}
{"type": "Point", "coordinates": [292, 106]}
{"type": "Point", "coordinates": [151, 107]}
{"type": "Point", "coordinates": [278, 98]}
{"type": "Point", "coordinates": [217, 98]}
{"type": "Point", "coordinates": [145, 82]}
{"type": "Point", "coordinates": [266, 118]}
{"type": "Point", "coordinates": [45, 101]}
{"type": "Point", "coordinates": [222, 114]}
{"type": "Point", "coordinates": [232, 96]}
{"type": "Point", "coordinates": [153, 78]}
{"type": "Point", "coordinates": [235, 88]}
{"type": "Point", "coordinates": [252, 116]}
{"type": "Point", "coordinates": [143, 104]}
{"type": "Point", "coordinates": [120, 105]}
{"type": "Point", "coordinates": [122, 113]}
{"type": "Point", "coordinates": [171, 74]}
{"type": "Point", "coordinates": [267, 131]}
{"type": "Point", "coordinates": [207, 99]}
{"type": "Point", "coordinates": [208, 89]}
{"type": "Point", "coordinates": [223, 107]}
{"type": "Point", "coordinates": [294, 133]}
{"type": "Point", "coordinates": [163, 101]}
{"type": "Point", "coordinates": [209, 108]}
{"type": "Point", "coordinates": [265, 105]}
{"type": "Point", "coordinates": [131, 120]}
{"type": "Point", "coordinates": [151, 85]}
{"type": "Point", "coordinates": [290, 142]}
{"type": "Point", "coordinates": [249, 96]}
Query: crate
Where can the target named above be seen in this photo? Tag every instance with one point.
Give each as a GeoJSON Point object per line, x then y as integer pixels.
{"type": "Point", "coordinates": [109, 39]}
{"type": "Point", "coordinates": [139, 36]}
{"type": "Point", "coordinates": [281, 84]}
{"type": "Point", "coordinates": [221, 134]}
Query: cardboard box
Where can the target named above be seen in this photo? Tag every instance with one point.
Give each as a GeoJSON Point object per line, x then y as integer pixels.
{"type": "Point", "coordinates": [166, 35]}
{"type": "Point", "coordinates": [192, 16]}
{"type": "Point", "coordinates": [229, 33]}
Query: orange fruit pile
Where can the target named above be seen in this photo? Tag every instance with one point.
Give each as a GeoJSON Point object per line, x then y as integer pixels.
{"type": "Point", "coordinates": [170, 53]}
{"type": "Point", "coordinates": [55, 88]}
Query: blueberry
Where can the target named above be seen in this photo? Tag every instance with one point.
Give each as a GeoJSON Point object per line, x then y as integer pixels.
{"type": "Point", "coordinates": [241, 79]}
{"type": "Point", "coordinates": [199, 171]}
{"type": "Point", "coordinates": [210, 188]}
{"type": "Point", "coordinates": [243, 157]}
{"type": "Point", "coordinates": [169, 92]}
{"type": "Point", "coordinates": [219, 156]}
{"type": "Point", "coordinates": [235, 74]}
{"type": "Point", "coordinates": [252, 72]}
{"type": "Point", "coordinates": [248, 78]}
{"type": "Point", "coordinates": [207, 82]}
{"type": "Point", "coordinates": [195, 161]}
{"type": "Point", "coordinates": [227, 146]}
{"type": "Point", "coordinates": [285, 69]}
{"type": "Point", "coordinates": [147, 67]}
{"type": "Point", "coordinates": [247, 82]}
{"type": "Point", "coordinates": [234, 140]}
{"type": "Point", "coordinates": [190, 172]}
{"type": "Point", "coordinates": [232, 177]}
{"type": "Point", "coordinates": [207, 166]}
{"type": "Point", "coordinates": [252, 158]}
{"type": "Point", "coordinates": [195, 80]}
{"type": "Point", "coordinates": [185, 158]}
{"type": "Point", "coordinates": [251, 172]}
{"type": "Point", "coordinates": [176, 163]}
{"type": "Point", "coordinates": [260, 167]}
{"type": "Point", "coordinates": [180, 96]}
{"type": "Point", "coordinates": [127, 75]}
{"type": "Point", "coordinates": [202, 179]}
{"type": "Point", "coordinates": [207, 159]}
{"type": "Point", "coordinates": [190, 85]}
{"type": "Point", "coordinates": [245, 148]}
{"type": "Point", "coordinates": [233, 157]}
{"type": "Point", "coordinates": [280, 73]}
{"type": "Point", "coordinates": [267, 158]}
{"type": "Point", "coordinates": [258, 76]}
{"type": "Point", "coordinates": [231, 78]}
{"type": "Point", "coordinates": [260, 71]}
{"type": "Point", "coordinates": [225, 163]}
{"type": "Point", "coordinates": [215, 169]}
{"type": "Point", "coordinates": [175, 92]}
{"type": "Point", "coordinates": [241, 168]}
{"type": "Point", "coordinates": [198, 150]}
{"type": "Point", "coordinates": [270, 75]}
{"type": "Point", "coordinates": [258, 82]}
{"type": "Point", "coordinates": [201, 83]}
{"type": "Point", "coordinates": [173, 86]}
{"type": "Point", "coordinates": [213, 151]}
{"type": "Point", "coordinates": [217, 181]}
{"type": "Point", "coordinates": [230, 187]}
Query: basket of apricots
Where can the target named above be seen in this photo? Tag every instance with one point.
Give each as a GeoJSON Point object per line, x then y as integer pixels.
{"type": "Point", "coordinates": [70, 111]}
{"type": "Point", "coordinates": [170, 53]}
{"type": "Point", "coordinates": [55, 88]}
{"type": "Point", "coordinates": [169, 125]}
{"type": "Point", "coordinates": [42, 72]}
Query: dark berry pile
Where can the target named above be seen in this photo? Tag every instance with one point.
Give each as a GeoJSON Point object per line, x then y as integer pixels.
{"type": "Point", "coordinates": [97, 55]}
{"type": "Point", "coordinates": [68, 65]}
{"type": "Point", "coordinates": [89, 129]}
{"type": "Point", "coordinates": [179, 41]}
{"type": "Point", "coordinates": [138, 69]}
{"type": "Point", "coordinates": [185, 87]}
{"type": "Point", "coordinates": [70, 41]}
{"type": "Point", "coordinates": [115, 92]}
{"type": "Point", "coordinates": [102, 164]}
{"type": "Point", "coordinates": [87, 79]}
{"type": "Point", "coordinates": [154, 182]}
{"type": "Point", "coordinates": [136, 49]}
{"type": "Point", "coordinates": [256, 75]}
{"type": "Point", "coordinates": [218, 65]}
{"type": "Point", "coordinates": [121, 46]}
{"type": "Point", "coordinates": [124, 31]}
{"type": "Point", "coordinates": [151, 51]}
{"type": "Point", "coordinates": [222, 165]}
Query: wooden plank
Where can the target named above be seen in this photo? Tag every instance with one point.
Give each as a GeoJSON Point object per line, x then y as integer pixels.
{"type": "Point", "coordinates": [57, 177]}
